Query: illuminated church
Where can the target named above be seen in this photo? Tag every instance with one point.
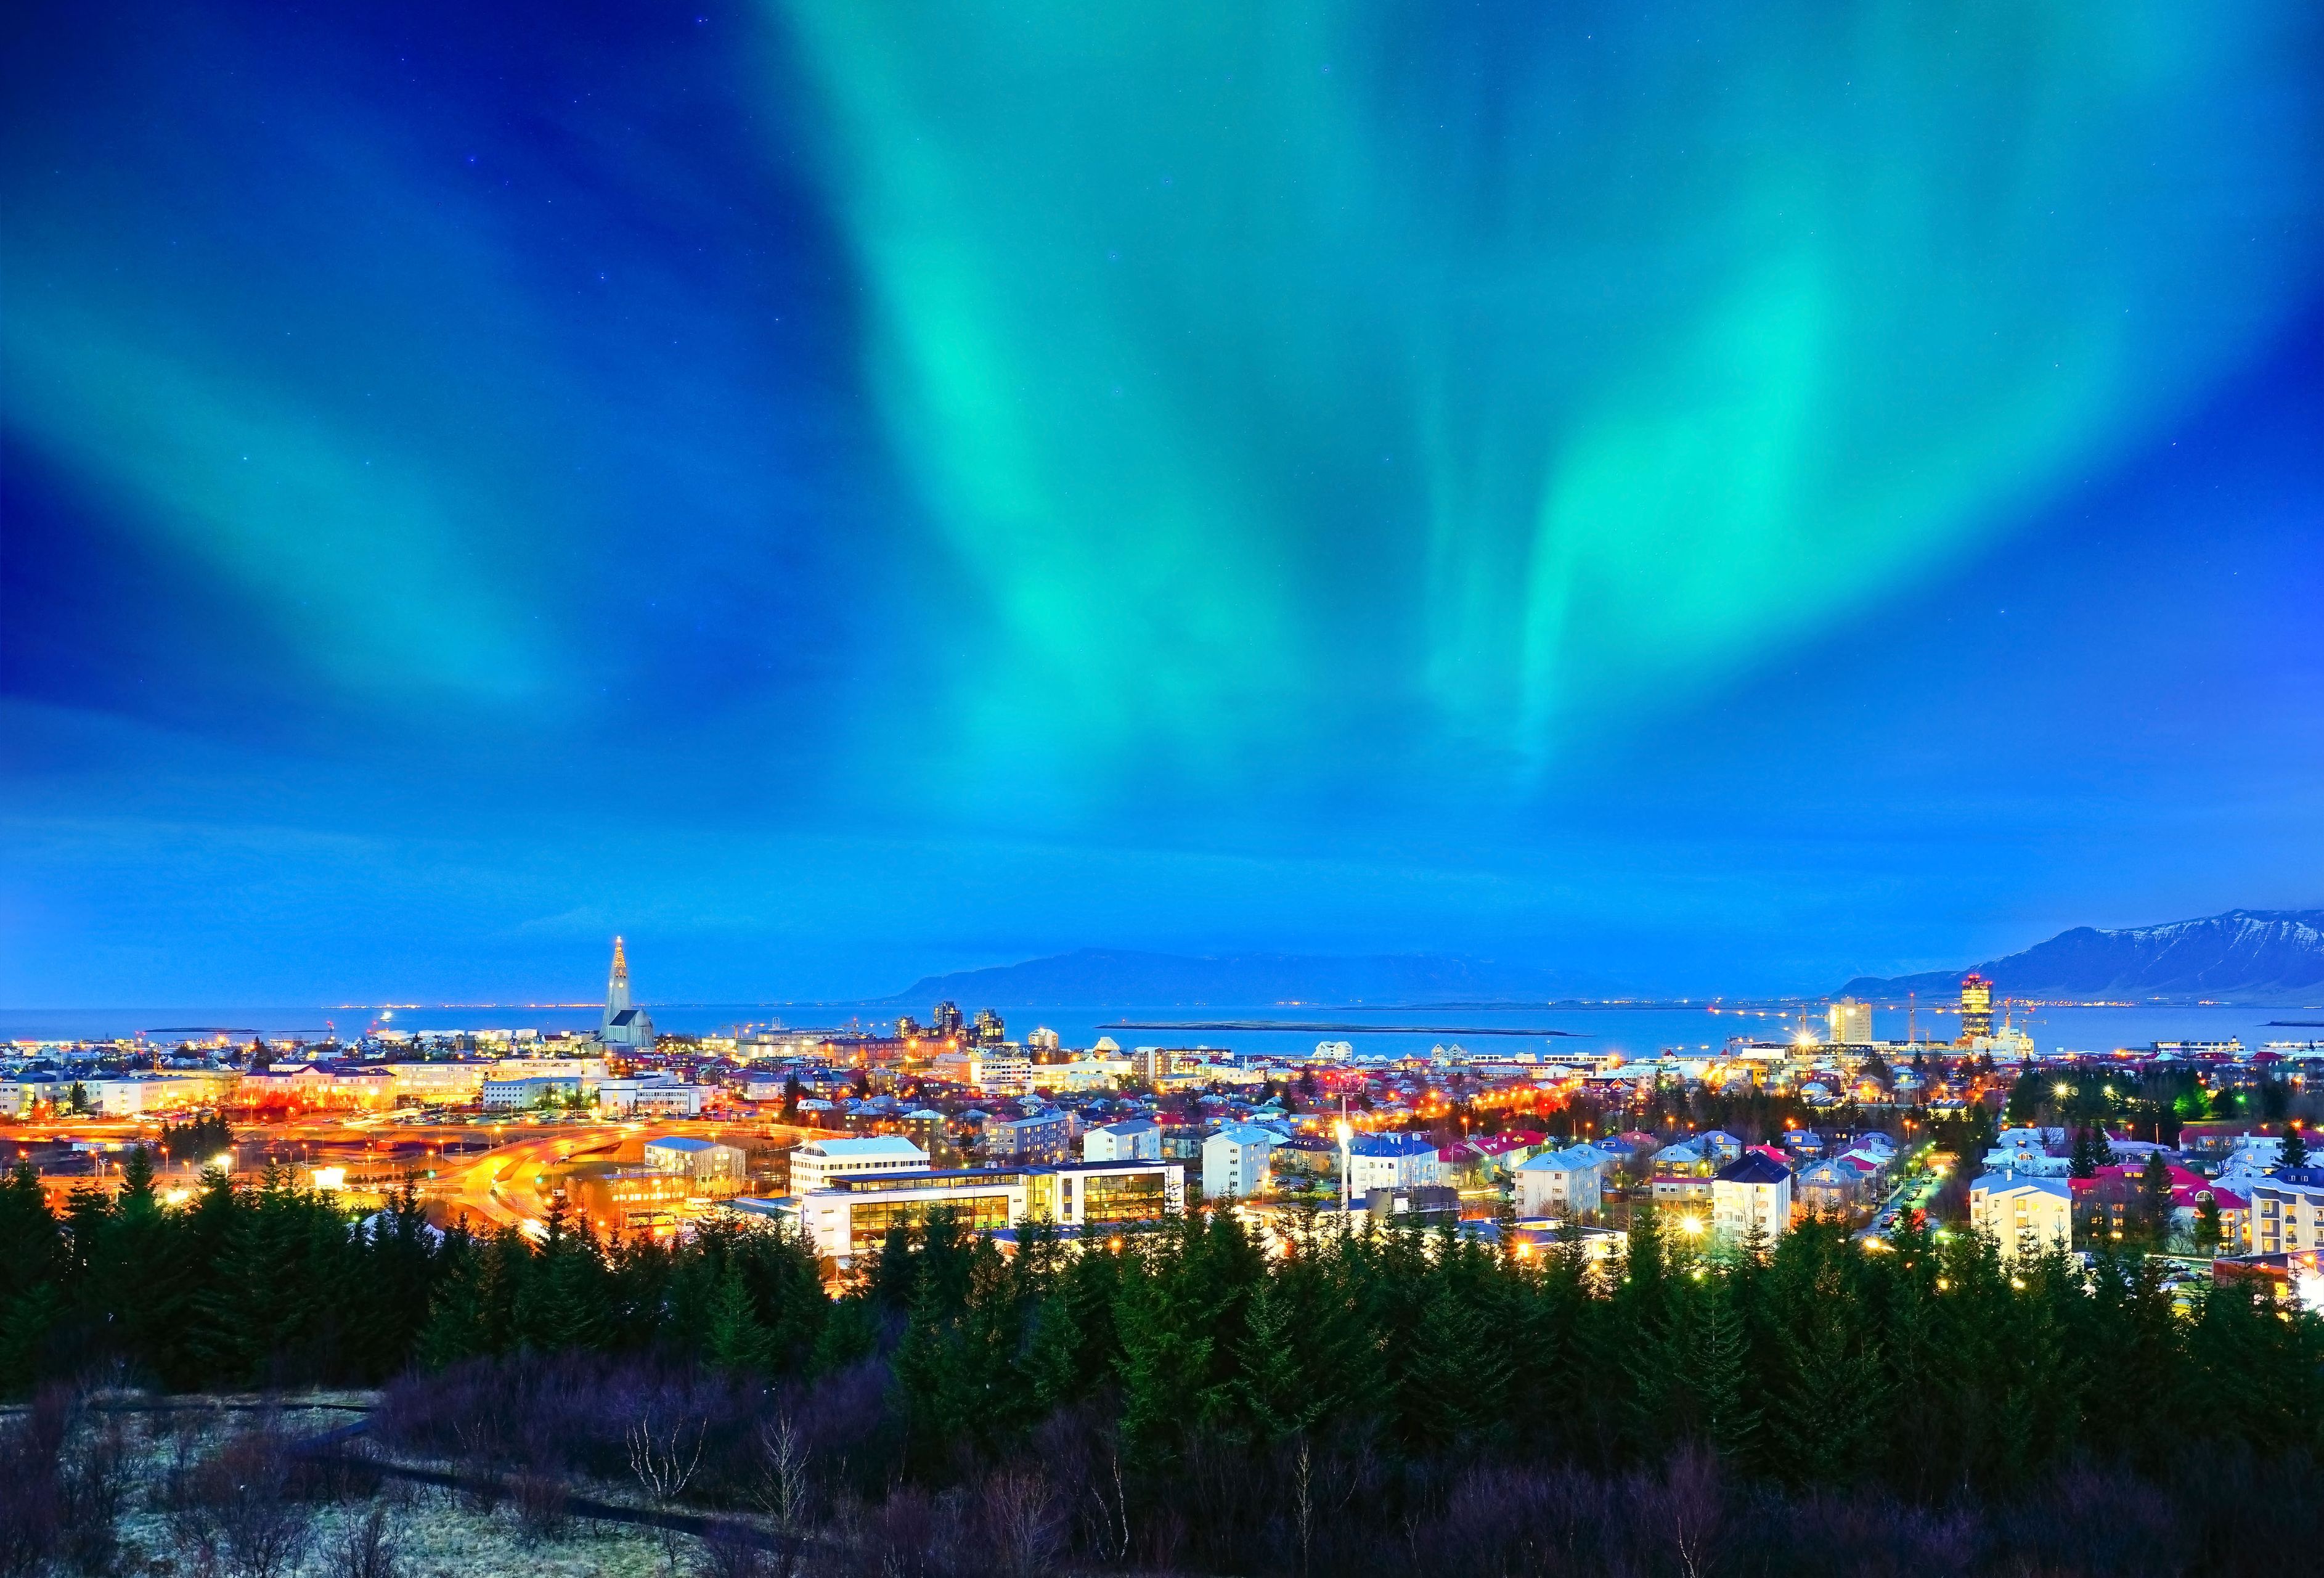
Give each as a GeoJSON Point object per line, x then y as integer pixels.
{"type": "Point", "coordinates": [623, 1026]}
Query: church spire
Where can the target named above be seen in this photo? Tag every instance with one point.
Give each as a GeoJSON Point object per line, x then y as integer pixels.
{"type": "Point", "coordinates": [617, 985]}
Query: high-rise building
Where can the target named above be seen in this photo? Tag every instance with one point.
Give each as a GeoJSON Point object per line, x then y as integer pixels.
{"type": "Point", "coordinates": [990, 1030]}
{"type": "Point", "coordinates": [1976, 1008]}
{"type": "Point", "coordinates": [623, 1024]}
{"type": "Point", "coordinates": [1851, 1023]}
{"type": "Point", "coordinates": [944, 1020]}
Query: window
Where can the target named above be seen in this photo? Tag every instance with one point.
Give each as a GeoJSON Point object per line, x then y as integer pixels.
{"type": "Point", "coordinates": [974, 1214]}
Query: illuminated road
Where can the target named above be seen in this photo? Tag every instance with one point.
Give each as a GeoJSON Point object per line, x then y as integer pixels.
{"type": "Point", "coordinates": [497, 1187]}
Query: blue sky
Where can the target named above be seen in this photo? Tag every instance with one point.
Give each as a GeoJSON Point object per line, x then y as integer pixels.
{"type": "Point", "coordinates": [1711, 507]}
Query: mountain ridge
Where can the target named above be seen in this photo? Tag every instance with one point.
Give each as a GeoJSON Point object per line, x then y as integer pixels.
{"type": "Point", "coordinates": [2253, 954]}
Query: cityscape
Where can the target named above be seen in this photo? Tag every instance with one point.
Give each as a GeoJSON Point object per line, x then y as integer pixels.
{"type": "Point", "coordinates": [1161, 790]}
{"type": "Point", "coordinates": [817, 1186]}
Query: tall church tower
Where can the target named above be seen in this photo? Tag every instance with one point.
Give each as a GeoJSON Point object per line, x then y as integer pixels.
{"type": "Point", "coordinates": [623, 1026]}
{"type": "Point", "coordinates": [617, 985]}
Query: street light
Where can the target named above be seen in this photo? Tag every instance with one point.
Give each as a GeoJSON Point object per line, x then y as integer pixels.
{"type": "Point", "coordinates": [1346, 1131]}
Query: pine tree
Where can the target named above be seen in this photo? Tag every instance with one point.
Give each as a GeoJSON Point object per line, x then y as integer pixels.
{"type": "Point", "coordinates": [1831, 1383]}
{"type": "Point", "coordinates": [929, 1380]}
{"type": "Point", "coordinates": [31, 1241]}
{"type": "Point", "coordinates": [2084, 1162]}
{"type": "Point", "coordinates": [2154, 1196]}
{"type": "Point", "coordinates": [2295, 1146]}
{"type": "Point", "coordinates": [2208, 1227]}
{"type": "Point", "coordinates": [31, 1266]}
{"type": "Point", "coordinates": [1052, 1363]}
{"type": "Point", "coordinates": [2026, 1095]}
{"type": "Point", "coordinates": [1457, 1377]}
{"type": "Point", "coordinates": [1718, 1369]}
{"type": "Point", "coordinates": [737, 1339]}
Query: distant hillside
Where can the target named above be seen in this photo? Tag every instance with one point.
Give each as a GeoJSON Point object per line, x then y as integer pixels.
{"type": "Point", "coordinates": [1103, 978]}
{"type": "Point", "coordinates": [2248, 955]}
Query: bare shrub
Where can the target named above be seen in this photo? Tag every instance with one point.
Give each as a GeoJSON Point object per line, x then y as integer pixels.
{"type": "Point", "coordinates": [730, 1551]}
{"type": "Point", "coordinates": [92, 1490]}
{"type": "Point", "coordinates": [366, 1548]}
{"type": "Point", "coordinates": [664, 1458]}
{"type": "Point", "coordinates": [1164, 1537]}
{"type": "Point", "coordinates": [910, 1534]}
{"type": "Point", "coordinates": [783, 1491]}
{"type": "Point", "coordinates": [1019, 1525]}
{"type": "Point", "coordinates": [231, 1513]}
{"type": "Point", "coordinates": [1529, 1523]}
{"type": "Point", "coordinates": [31, 1512]}
{"type": "Point", "coordinates": [476, 1460]}
{"type": "Point", "coordinates": [543, 1505]}
{"type": "Point", "coordinates": [1690, 1506]}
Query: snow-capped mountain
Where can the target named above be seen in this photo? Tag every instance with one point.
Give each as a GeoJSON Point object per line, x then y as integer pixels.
{"type": "Point", "coordinates": [2252, 954]}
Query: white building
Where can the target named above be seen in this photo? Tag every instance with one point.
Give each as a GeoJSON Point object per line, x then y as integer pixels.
{"type": "Point", "coordinates": [2024, 1214]}
{"type": "Point", "coordinates": [2026, 1153]}
{"type": "Point", "coordinates": [1561, 1183]}
{"type": "Point", "coordinates": [655, 1095]}
{"type": "Point", "coordinates": [1102, 1194]}
{"type": "Point", "coordinates": [856, 1211]}
{"type": "Point", "coordinates": [1134, 1140]}
{"type": "Point", "coordinates": [1754, 1191]}
{"type": "Point", "coordinates": [1234, 1161]}
{"type": "Point", "coordinates": [586, 1071]}
{"type": "Point", "coordinates": [1080, 1074]}
{"type": "Point", "coordinates": [1006, 1072]}
{"type": "Point", "coordinates": [20, 1096]}
{"type": "Point", "coordinates": [819, 1161]}
{"type": "Point", "coordinates": [317, 1086]}
{"type": "Point", "coordinates": [440, 1083]}
{"type": "Point", "coordinates": [1391, 1161]}
{"type": "Point", "coordinates": [705, 1162]}
{"type": "Point", "coordinates": [2287, 1215]}
{"type": "Point", "coordinates": [132, 1095]}
{"type": "Point", "coordinates": [531, 1091]}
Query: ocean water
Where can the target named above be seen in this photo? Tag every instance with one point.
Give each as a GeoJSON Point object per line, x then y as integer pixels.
{"type": "Point", "coordinates": [1631, 1031]}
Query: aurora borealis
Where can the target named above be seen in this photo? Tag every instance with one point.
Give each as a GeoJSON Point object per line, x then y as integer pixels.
{"type": "Point", "coordinates": [1726, 498]}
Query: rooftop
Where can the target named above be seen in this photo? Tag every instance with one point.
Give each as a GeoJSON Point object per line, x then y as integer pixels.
{"type": "Point", "coordinates": [867, 1147]}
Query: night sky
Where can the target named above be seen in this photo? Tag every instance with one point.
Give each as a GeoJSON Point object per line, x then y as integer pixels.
{"type": "Point", "coordinates": [1713, 497]}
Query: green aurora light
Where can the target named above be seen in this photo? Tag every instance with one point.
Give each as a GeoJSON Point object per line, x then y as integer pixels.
{"type": "Point", "coordinates": [1513, 366]}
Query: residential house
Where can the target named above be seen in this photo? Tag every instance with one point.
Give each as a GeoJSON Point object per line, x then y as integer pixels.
{"type": "Point", "coordinates": [1828, 1188]}
{"type": "Point", "coordinates": [1036, 1137]}
{"type": "Point", "coordinates": [2287, 1211]}
{"type": "Point", "coordinates": [1562, 1183]}
{"type": "Point", "coordinates": [1235, 1161]}
{"type": "Point", "coordinates": [1751, 1192]}
{"type": "Point", "coordinates": [1391, 1161]}
{"type": "Point", "coordinates": [1132, 1140]}
{"type": "Point", "coordinates": [1719, 1146]}
{"type": "Point", "coordinates": [2026, 1214]}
